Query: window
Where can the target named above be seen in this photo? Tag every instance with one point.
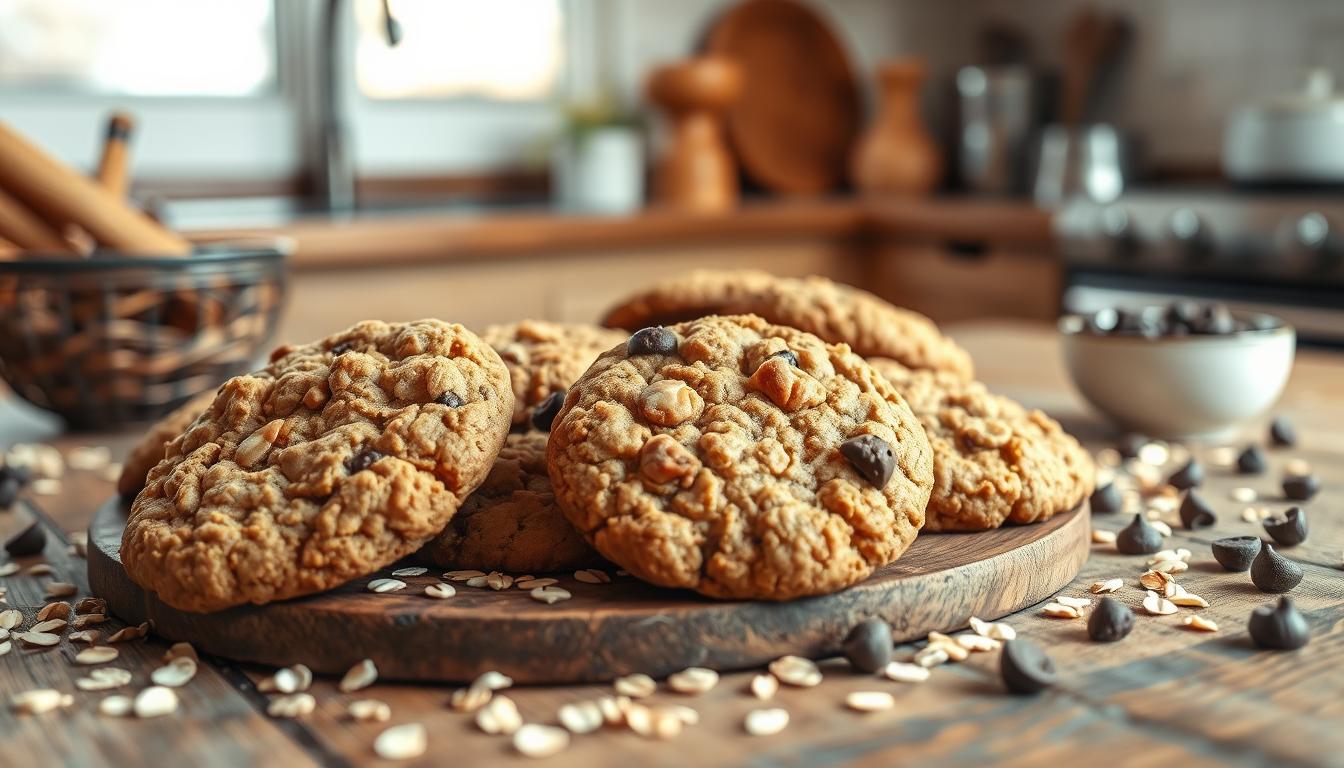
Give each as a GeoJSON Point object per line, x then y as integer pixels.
{"type": "Point", "coordinates": [138, 47]}
{"type": "Point", "coordinates": [508, 50]}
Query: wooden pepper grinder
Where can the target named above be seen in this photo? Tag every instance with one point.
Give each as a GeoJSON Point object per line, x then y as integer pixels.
{"type": "Point", "coordinates": [696, 172]}
{"type": "Point", "coordinates": [897, 156]}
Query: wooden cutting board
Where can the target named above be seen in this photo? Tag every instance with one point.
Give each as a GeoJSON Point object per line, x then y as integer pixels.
{"type": "Point", "coordinates": [799, 115]}
{"type": "Point", "coordinates": [606, 630]}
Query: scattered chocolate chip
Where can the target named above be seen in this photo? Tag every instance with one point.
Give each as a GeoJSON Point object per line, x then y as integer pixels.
{"type": "Point", "coordinates": [1025, 667]}
{"type": "Point", "coordinates": [1180, 318]}
{"type": "Point", "coordinates": [1301, 487]}
{"type": "Point", "coordinates": [1138, 538]}
{"type": "Point", "coordinates": [30, 542]}
{"type": "Point", "coordinates": [342, 348]}
{"type": "Point", "coordinates": [9, 492]}
{"type": "Point", "coordinates": [543, 416]}
{"type": "Point", "coordinates": [1236, 553]}
{"type": "Point", "coordinates": [871, 457]}
{"type": "Point", "coordinates": [450, 399]}
{"type": "Point", "coordinates": [21, 474]}
{"type": "Point", "coordinates": [1272, 572]}
{"type": "Point", "coordinates": [1282, 433]}
{"type": "Point", "coordinates": [1278, 626]}
{"type": "Point", "coordinates": [868, 646]}
{"type": "Point", "coordinates": [789, 357]}
{"type": "Point", "coordinates": [1189, 476]}
{"type": "Point", "coordinates": [1106, 499]}
{"type": "Point", "coordinates": [1215, 319]}
{"type": "Point", "coordinates": [1130, 444]}
{"type": "Point", "coordinates": [1289, 530]}
{"type": "Point", "coordinates": [1195, 512]}
{"type": "Point", "coordinates": [651, 341]}
{"type": "Point", "coordinates": [1251, 461]}
{"type": "Point", "coordinates": [365, 458]}
{"type": "Point", "coordinates": [1111, 620]}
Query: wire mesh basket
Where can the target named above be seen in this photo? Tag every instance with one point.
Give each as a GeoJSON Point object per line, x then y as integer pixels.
{"type": "Point", "coordinates": [110, 341]}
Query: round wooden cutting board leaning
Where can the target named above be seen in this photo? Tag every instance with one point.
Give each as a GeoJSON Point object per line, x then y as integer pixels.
{"type": "Point", "coordinates": [606, 630]}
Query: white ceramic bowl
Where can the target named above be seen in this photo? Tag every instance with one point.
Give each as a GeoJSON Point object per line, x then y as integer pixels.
{"type": "Point", "coordinates": [1180, 387]}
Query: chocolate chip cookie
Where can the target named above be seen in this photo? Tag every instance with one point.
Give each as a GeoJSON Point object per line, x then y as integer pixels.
{"type": "Point", "coordinates": [338, 458]}
{"type": "Point", "coordinates": [740, 459]}
{"type": "Point", "coordinates": [512, 523]}
{"type": "Point", "coordinates": [149, 451]}
{"type": "Point", "coordinates": [993, 460]}
{"type": "Point", "coordinates": [834, 312]}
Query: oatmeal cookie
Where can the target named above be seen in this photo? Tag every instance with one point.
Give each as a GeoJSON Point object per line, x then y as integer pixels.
{"type": "Point", "coordinates": [740, 459]}
{"type": "Point", "coordinates": [512, 523]}
{"type": "Point", "coordinates": [832, 311]}
{"type": "Point", "coordinates": [993, 460]}
{"type": "Point", "coordinates": [338, 458]}
{"type": "Point", "coordinates": [149, 451]}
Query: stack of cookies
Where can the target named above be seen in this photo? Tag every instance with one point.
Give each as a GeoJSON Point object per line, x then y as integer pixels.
{"type": "Point", "coordinates": [744, 436]}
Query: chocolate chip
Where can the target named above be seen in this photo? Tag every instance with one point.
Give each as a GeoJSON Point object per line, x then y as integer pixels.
{"type": "Point", "coordinates": [1251, 461]}
{"type": "Point", "coordinates": [1301, 487]}
{"type": "Point", "coordinates": [30, 542]}
{"type": "Point", "coordinates": [1278, 626]}
{"type": "Point", "coordinates": [1282, 433]}
{"type": "Point", "coordinates": [450, 399]}
{"type": "Point", "coordinates": [342, 348]}
{"type": "Point", "coordinates": [1106, 499]}
{"type": "Point", "coordinates": [1215, 319]}
{"type": "Point", "coordinates": [651, 341]}
{"type": "Point", "coordinates": [1111, 620]}
{"type": "Point", "coordinates": [1272, 572]}
{"type": "Point", "coordinates": [871, 457]}
{"type": "Point", "coordinates": [365, 458]}
{"type": "Point", "coordinates": [1189, 476]}
{"type": "Point", "coordinates": [9, 492]}
{"type": "Point", "coordinates": [1138, 538]}
{"type": "Point", "coordinates": [543, 416]}
{"type": "Point", "coordinates": [1195, 512]}
{"type": "Point", "coordinates": [868, 646]}
{"type": "Point", "coordinates": [21, 474]}
{"type": "Point", "coordinates": [1025, 667]}
{"type": "Point", "coordinates": [1130, 445]}
{"type": "Point", "coordinates": [1289, 530]}
{"type": "Point", "coordinates": [1236, 553]}
{"type": "Point", "coordinates": [788, 356]}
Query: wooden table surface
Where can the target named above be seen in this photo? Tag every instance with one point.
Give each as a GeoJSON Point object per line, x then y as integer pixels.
{"type": "Point", "coordinates": [1165, 696]}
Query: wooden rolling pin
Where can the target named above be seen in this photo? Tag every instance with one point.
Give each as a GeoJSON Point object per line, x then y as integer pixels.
{"type": "Point", "coordinates": [26, 229]}
{"type": "Point", "coordinates": [114, 165]}
{"type": "Point", "coordinates": [60, 194]}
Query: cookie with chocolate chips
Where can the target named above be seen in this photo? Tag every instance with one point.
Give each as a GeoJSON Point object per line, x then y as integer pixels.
{"type": "Point", "coordinates": [512, 523]}
{"type": "Point", "coordinates": [994, 462]}
{"type": "Point", "coordinates": [338, 458]}
{"type": "Point", "coordinates": [149, 451]}
{"type": "Point", "coordinates": [832, 311]}
{"type": "Point", "coordinates": [740, 459]}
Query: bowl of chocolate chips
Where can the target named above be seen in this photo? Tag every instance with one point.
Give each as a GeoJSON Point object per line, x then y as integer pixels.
{"type": "Point", "coordinates": [1188, 370]}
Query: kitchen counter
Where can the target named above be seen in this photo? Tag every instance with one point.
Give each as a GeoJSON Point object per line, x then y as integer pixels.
{"type": "Point", "coordinates": [378, 239]}
{"type": "Point", "coordinates": [1166, 695]}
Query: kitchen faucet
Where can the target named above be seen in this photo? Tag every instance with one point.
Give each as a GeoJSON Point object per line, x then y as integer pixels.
{"type": "Point", "coordinates": [335, 168]}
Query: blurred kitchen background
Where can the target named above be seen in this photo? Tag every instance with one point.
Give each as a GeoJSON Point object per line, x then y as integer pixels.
{"type": "Point", "coordinates": [485, 161]}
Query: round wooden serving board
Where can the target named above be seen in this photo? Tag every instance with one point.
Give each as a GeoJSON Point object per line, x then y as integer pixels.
{"type": "Point", "coordinates": [606, 630]}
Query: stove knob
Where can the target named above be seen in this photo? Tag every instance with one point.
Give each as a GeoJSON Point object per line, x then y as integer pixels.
{"type": "Point", "coordinates": [1190, 235]}
{"type": "Point", "coordinates": [1119, 234]}
{"type": "Point", "coordinates": [1314, 245]}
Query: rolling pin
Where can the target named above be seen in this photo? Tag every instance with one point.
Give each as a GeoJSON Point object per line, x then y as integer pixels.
{"type": "Point", "coordinates": [114, 164]}
{"type": "Point", "coordinates": [60, 194]}
{"type": "Point", "coordinates": [26, 229]}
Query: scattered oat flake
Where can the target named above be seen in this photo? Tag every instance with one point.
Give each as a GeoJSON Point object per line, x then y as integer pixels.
{"type": "Point", "coordinates": [499, 716]}
{"type": "Point", "coordinates": [91, 605]}
{"type": "Point", "coordinates": [88, 457]}
{"type": "Point", "coordinates": [9, 569]}
{"type": "Point", "coordinates": [39, 569]}
{"type": "Point", "coordinates": [931, 656]}
{"type": "Point", "coordinates": [11, 618]}
{"type": "Point", "coordinates": [995, 630]}
{"type": "Point", "coordinates": [796, 671]}
{"type": "Point", "coordinates": [359, 677]}
{"type": "Point", "coordinates": [1060, 611]}
{"type": "Point", "coordinates": [1188, 600]}
{"type": "Point", "coordinates": [533, 740]}
{"type": "Point", "coordinates": [440, 590]}
{"type": "Point", "coordinates": [1103, 537]}
{"type": "Point", "coordinates": [978, 643]}
{"type": "Point", "coordinates": [46, 486]}
{"type": "Point", "coordinates": [39, 700]}
{"type": "Point", "coordinates": [103, 679]}
{"type": "Point", "coordinates": [1161, 527]}
{"type": "Point", "coordinates": [90, 636]}
{"type": "Point", "coordinates": [534, 583]}
{"type": "Point", "coordinates": [44, 639]}
{"type": "Point", "coordinates": [462, 575]}
{"type": "Point", "coordinates": [693, 680]}
{"type": "Point", "coordinates": [175, 673]}
{"type": "Point", "coordinates": [180, 650]}
{"type": "Point", "coordinates": [129, 633]}
{"type": "Point", "coordinates": [1243, 495]}
{"type": "Point", "coordinates": [550, 595]}
{"type": "Point", "coordinates": [954, 650]}
{"type": "Point", "coordinates": [498, 581]}
{"type": "Point", "coordinates": [1106, 587]}
{"type": "Point", "coordinates": [100, 654]}
{"type": "Point", "coordinates": [116, 706]}
{"type": "Point", "coordinates": [580, 717]}
{"type": "Point", "coordinates": [155, 701]}
{"type": "Point", "coordinates": [50, 625]}
{"type": "Point", "coordinates": [1157, 605]}
{"type": "Point", "coordinates": [592, 576]}
{"type": "Point", "coordinates": [907, 673]}
{"type": "Point", "coordinates": [1297, 468]}
{"type": "Point", "coordinates": [59, 589]}
{"type": "Point", "coordinates": [410, 571]}
{"type": "Point", "coordinates": [369, 711]}
{"type": "Point", "coordinates": [88, 620]}
{"type": "Point", "coordinates": [636, 686]}
{"type": "Point", "coordinates": [382, 586]}
{"type": "Point", "coordinates": [764, 686]}
{"type": "Point", "coordinates": [6, 646]}
{"type": "Point", "coordinates": [766, 722]}
{"type": "Point", "coordinates": [54, 611]}
{"type": "Point", "coordinates": [1171, 566]}
{"type": "Point", "coordinates": [1074, 602]}
{"type": "Point", "coordinates": [870, 701]}
{"type": "Point", "coordinates": [292, 705]}
{"type": "Point", "coordinates": [1199, 623]}
{"type": "Point", "coordinates": [401, 742]}
{"type": "Point", "coordinates": [478, 582]}
{"type": "Point", "coordinates": [1155, 579]}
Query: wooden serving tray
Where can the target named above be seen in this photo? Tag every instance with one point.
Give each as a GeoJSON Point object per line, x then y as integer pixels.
{"type": "Point", "coordinates": [606, 630]}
